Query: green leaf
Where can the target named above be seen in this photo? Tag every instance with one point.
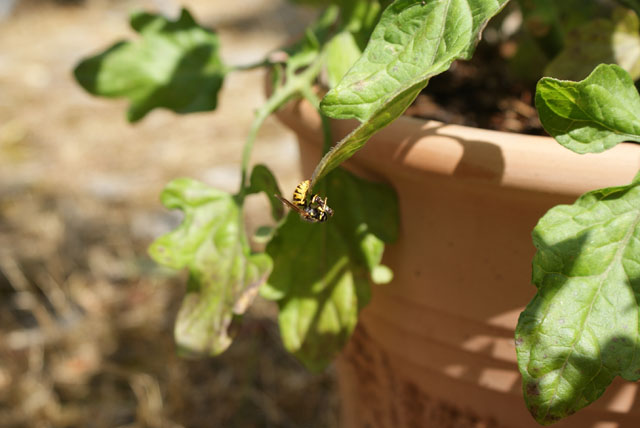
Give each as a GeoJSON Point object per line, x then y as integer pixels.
{"type": "Point", "coordinates": [291, 78]}
{"type": "Point", "coordinates": [541, 19]}
{"type": "Point", "coordinates": [359, 17]}
{"type": "Point", "coordinates": [550, 22]}
{"type": "Point", "coordinates": [306, 50]}
{"type": "Point", "coordinates": [262, 180]}
{"type": "Point", "coordinates": [342, 51]}
{"type": "Point", "coordinates": [412, 42]}
{"type": "Point", "coordinates": [321, 271]}
{"type": "Point", "coordinates": [592, 115]}
{"type": "Point", "coordinates": [263, 234]}
{"type": "Point", "coordinates": [175, 65]}
{"type": "Point", "coordinates": [599, 41]}
{"type": "Point", "coordinates": [581, 328]}
{"type": "Point", "coordinates": [224, 276]}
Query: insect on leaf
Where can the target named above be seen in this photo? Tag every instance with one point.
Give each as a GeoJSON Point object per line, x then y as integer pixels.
{"type": "Point", "coordinates": [322, 271]}
{"type": "Point", "coordinates": [224, 276]}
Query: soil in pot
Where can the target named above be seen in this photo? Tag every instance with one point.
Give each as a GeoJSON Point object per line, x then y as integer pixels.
{"type": "Point", "coordinates": [482, 93]}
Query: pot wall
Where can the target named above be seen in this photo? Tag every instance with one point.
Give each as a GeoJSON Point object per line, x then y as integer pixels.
{"type": "Point", "coordinates": [435, 347]}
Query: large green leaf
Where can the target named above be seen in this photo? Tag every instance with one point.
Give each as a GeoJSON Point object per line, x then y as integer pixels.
{"type": "Point", "coordinates": [599, 41]}
{"type": "Point", "coordinates": [412, 42]}
{"type": "Point", "coordinates": [175, 65]}
{"type": "Point", "coordinates": [321, 271]}
{"type": "Point", "coordinates": [592, 115]}
{"type": "Point", "coordinates": [582, 327]}
{"type": "Point", "coordinates": [224, 276]}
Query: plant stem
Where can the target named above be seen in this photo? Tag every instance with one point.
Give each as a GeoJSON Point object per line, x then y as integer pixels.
{"type": "Point", "coordinates": [295, 85]}
{"type": "Point", "coordinates": [244, 67]}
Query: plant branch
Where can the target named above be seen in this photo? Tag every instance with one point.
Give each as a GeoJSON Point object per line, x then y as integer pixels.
{"type": "Point", "coordinates": [295, 85]}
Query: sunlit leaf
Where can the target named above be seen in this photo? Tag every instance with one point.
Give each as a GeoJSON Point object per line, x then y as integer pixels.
{"type": "Point", "coordinates": [224, 276]}
{"type": "Point", "coordinates": [592, 115]}
{"type": "Point", "coordinates": [581, 328]}
{"type": "Point", "coordinates": [322, 271]}
{"type": "Point", "coordinates": [174, 64]}
{"type": "Point", "coordinates": [412, 42]}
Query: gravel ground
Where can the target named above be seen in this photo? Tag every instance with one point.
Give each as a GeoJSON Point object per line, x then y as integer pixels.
{"type": "Point", "coordinates": [85, 315]}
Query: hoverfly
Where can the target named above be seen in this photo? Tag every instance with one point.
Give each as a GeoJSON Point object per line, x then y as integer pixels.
{"type": "Point", "coordinates": [315, 210]}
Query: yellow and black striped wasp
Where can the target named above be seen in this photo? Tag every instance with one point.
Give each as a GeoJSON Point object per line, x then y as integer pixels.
{"type": "Point", "coordinates": [313, 210]}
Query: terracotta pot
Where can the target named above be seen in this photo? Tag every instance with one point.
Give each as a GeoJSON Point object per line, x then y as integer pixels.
{"type": "Point", "coordinates": [435, 347]}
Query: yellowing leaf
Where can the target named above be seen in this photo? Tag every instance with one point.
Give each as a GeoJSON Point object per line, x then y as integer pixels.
{"type": "Point", "coordinates": [224, 276]}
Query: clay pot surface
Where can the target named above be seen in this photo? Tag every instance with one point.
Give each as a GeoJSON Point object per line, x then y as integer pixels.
{"type": "Point", "coordinates": [435, 347]}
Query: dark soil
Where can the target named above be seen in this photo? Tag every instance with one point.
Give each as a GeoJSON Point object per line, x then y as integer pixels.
{"type": "Point", "coordinates": [481, 93]}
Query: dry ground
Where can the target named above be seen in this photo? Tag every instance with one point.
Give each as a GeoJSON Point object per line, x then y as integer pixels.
{"type": "Point", "coordinates": [85, 316]}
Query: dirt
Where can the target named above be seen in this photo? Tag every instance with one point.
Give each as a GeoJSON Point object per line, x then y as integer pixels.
{"type": "Point", "coordinates": [482, 93]}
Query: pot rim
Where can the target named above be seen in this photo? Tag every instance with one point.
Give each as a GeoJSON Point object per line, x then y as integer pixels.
{"type": "Point", "coordinates": [418, 148]}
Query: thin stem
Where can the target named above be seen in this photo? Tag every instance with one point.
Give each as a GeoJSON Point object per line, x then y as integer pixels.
{"type": "Point", "coordinates": [296, 85]}
{"type": "Point", "coordinates": [244, 67]}
{"type": "Point", "coordinates": [260, 116]}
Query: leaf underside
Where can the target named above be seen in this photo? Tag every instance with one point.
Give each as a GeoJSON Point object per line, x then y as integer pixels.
{"type": "Point", "coordinates": [592, 115]}
{"type": "Point", "coordinates": [224, 276]}
{"type": "Point", "coordinates": [582, 327]}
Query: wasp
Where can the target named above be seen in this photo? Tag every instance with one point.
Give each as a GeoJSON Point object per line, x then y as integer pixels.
{"type": "Point", "coordinates": [314, 209]}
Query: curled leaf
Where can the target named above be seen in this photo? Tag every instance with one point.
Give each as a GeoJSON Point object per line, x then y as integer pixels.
{"type": "Point", "coordinates": [224, 276]}
{"type": "Point", "coordinates": [592, 115]}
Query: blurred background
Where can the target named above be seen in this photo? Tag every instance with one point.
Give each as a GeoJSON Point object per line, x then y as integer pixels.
{"type": "Point", "coordinates": [86, 317]}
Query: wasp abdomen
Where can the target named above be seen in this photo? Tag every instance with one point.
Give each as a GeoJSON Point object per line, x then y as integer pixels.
{"type": "Point", "coordinates": [300, 194]}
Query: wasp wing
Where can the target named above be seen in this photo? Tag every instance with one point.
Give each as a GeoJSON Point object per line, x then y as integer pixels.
{"type": "Point", "coordinates": [292, 206]}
